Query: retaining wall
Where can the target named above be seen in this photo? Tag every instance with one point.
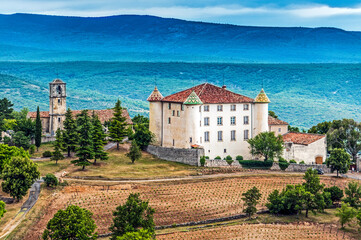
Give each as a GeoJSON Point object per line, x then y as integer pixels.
{"type": "Point", "coordinates": [294, 167]}
{"type": "Point", "coordinates": [186, 156]}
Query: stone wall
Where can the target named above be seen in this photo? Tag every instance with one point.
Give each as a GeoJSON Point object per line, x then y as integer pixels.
{"type": "Point", "coordinates": [186, 156]}
{"type": "Point", "coordinates": [294, 167]}
{"type": "Point", "coordinates": [220, 163]}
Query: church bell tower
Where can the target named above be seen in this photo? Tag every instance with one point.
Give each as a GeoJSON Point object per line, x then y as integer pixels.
{"type": "Point", "coordinates": [57, 98]}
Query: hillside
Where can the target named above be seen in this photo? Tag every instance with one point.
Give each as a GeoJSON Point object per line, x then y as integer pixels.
{"type": "Point", "coordinates": [25, 37]}
{"type": "Point", "coordinates": [301, 94]}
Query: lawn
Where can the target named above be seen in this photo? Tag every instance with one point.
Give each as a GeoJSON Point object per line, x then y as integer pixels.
{"type": "Point", "coordinates": [49, 166]}
{"type": "Point", "coordinates": [44, 147]}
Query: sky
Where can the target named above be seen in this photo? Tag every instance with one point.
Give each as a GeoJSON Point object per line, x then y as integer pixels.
{"type": "Point", "coordinates": [282, 13]}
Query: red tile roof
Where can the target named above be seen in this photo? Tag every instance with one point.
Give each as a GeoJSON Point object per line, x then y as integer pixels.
{"type": "Point", "coordinates": [209, 93]}
{"type": "Point", "coordinates": [302, 138]}
{"type": "Point", "coordinates": [104, 115]}
{"type": "Point", "coordinates": [275, 121]}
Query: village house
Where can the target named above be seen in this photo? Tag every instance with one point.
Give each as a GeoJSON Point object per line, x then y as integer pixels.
{"type": "Point", "coordinates": [220, 121]}
{"type": "Point", "coordinates": [54, 118]}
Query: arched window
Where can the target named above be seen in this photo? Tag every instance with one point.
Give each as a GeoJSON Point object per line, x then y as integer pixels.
{"type": "Point", "coordinates": [58, 89]}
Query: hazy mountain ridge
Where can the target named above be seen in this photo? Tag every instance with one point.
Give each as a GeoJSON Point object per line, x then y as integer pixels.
{"type": "Point", "coordinates": [148, 38]}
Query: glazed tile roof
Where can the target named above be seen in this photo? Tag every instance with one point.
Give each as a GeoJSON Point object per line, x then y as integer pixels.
{"type": "Point", "coordinates": [192, 99]}
{"type": "Point", "coordinates": [104, 115]}
{"type": "Point", "coordinates": [155, 96]}
{"type": "Point", "coordinates": [262, 97]}
{"type": "Point", "coordinates": [208, 93]}
{"type": "Point", "coordinates": [275, 121]}
{"type": "Point", "coordinates": [302, 138]}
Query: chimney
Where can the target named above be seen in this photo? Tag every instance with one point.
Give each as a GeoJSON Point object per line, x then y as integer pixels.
{"type": "Point", "coordinates": [224, 87]}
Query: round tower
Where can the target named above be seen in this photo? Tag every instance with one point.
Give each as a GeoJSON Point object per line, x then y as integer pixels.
{"type": "Point", "coordinates": [192, 104]}
{"type": "Point", "coordinates": [155, 115]}
{"type": "Point", "coordinates": [57, 104]}
{"type": "Point", "coordinates": [261, 113]}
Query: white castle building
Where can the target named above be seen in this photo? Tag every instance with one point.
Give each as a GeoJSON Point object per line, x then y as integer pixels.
{"type": "Point", "coordinates": [219, 121]}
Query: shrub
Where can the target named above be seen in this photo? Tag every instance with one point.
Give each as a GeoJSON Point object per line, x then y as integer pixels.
{"type": "Point", "coordinates": [336, 193]}
{"type": "Point", "coordinates": [32, 149]}
{"type": "Point", "coordinates": [229, 161]}
{"type": "Point", "coordinates": [282, 163]}
{"type": "Point", "coordinates": [302, 162]}
{"type": "Point", "coordinates": [256, 164]}
{"type": "Point", "coordinates": [207, 157]}
{"type": "Point", "coordinates": [202, 161]}
{"type": "Point", "coordinates": [50, 180]}
{"type": "Point", "coordinates": [218, 157]}
{"type": "Point", "coordinates": [228, 157]}
{"type": "Point", "coordinates": [292, 161]}
{"type": "Point", "coordinates": [47, 154]}
{"type": "Point", "coordinates": [239, 158]}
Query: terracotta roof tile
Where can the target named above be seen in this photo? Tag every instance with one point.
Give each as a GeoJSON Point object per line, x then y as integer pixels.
{"type": "Point", "coordinates": [104, 115]}
{"type": "Point", "coordinates": [302, 138]}
{"type": "Point", "coordinates": [208, 93]}
{"type": "Point", "coordinates": [275, 121]}
{"type": "Point", "coordinates": [155, 96]}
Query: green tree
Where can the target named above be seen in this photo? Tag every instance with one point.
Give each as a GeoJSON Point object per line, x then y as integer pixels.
{"type": "Point", "coordinates": [336, 194]}
{"type": "Point", "coordinates": [131, 216]}
{"type": "Point", "coordinates": [27, 126]}
{"type": "Point", "coordinates": [50, 180]}
{"type": "Point", "coordinates": [266, 144]}
{"type": "Point", "coordinates": [5, 112]}
{"type": "Point", "coordinates": [21, 140]}
{"type": "Point", "coordinates": [72, 223]}
{"type": "Point", "coordinates": [58, 147]}
{"type": "Point", "coordinates": [339, 160]}
{"type": "Point", "coordinates": [118, 126]}
{"type": "Point", "coordinates": [18, 176]}
{"type": "Point", "coordinates": [353, 194]}
{"type": "Point", "coordinates": [139, 119]}
{"type": "Point", "coordinates": [347, 135]}
{"type": "Point", "coordinates": [98, 140]}
{"type": "Point", "coordinates": [70, 132]}
{"type": "Point", "coordinates": [138, 235]}
{"type": "Point", "coordinates": [321, 128]}
{"type": "Point", "coordinates": [7, 153]}
{"type": "Point", "coordinates": [84, 151]}
{"type": "Point", "coordinates": [251, 199]}
{"type": "Point", "coordinates": [272, 114]}
{"type": "Point", "coordinates": [2, 209]}
{"type": "Point", "coordinates": [314, 200]}
{"type": "Point", "coordinates": [143, 136]}
{"type": "Point", "coordinates": [345, 214]}
{"type": "Point", "coordinates": [134, 152]}
{"type": "Point", "coordinates": [38, 129]}
{"type": "Point", "coordinates": [293, 129]}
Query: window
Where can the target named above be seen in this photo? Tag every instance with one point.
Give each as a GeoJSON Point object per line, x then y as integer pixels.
{"type": "Point", "coordinates": [59, 90]}
{"type": "Point", "coordinates": [233, 107]}
{"type": "Point", "coordinates": [206, 108]}
{"type": "Point", "coordinates": [190, 140]}
{"type": "Point", "coordinates": [233, 135]}
{"type": "Point", "coordinates": [220, 136]}
{"type": "Point", "coordinates": [225, 150]}
{"type": "Point", "coordinates": [59, 119]}
{"type": "Point", "coordinates": [182, 107]}
{"type": "Point", "coordinates": [219, 108]}
{"type": "Point", "coordinates": [246, 120]}
{"type": "Point", "coordinates": [233, 120]}
{"type": "Point", "coordinates": [219, 121]}
{"type": "Point", "coordinates": [169, 106]}
{"type": "Point", "coordinates": [178, 113]}
{"type": "Point", "coordinates": [206, 121]}
{"type": "Point", "coordinates": [246, 135]}
{"type": "Point", "coordinates": [58, 101]}
{"type": "Point", "coordinates": [173, 142]}
{"type": "Point", "coordinates": [168, 120]}
{"type": "Point", "coordinates": [245, 107]}
{"type": "Point", "coordinates": [206, 136]}
{"type": "Point", "coordinates": [279, 130]}
{"type": "Point", "coordinates": [173, 113]}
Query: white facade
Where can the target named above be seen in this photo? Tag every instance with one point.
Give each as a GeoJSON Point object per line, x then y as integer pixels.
{"type": "Point", "coordinates": [309, 153]}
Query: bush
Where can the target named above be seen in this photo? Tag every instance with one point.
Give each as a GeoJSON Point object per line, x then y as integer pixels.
{"type": "Point", "coordinates": [50, 180]}
{"type": "Point", "coordinates": [282, 163]}
{"type": "Point", "coordinates": [229, 161]}
{"type": "Point", "coordinates": [256, 164]}
{"type": "Point", "coordinates": [207, 157]}
{"type": "Point", "coordinates": [239, 158]}
{"type": "Point", "coordinates": [292, 161]}
{"type": "Point", "coordinates": [32, 149]}
{"type": "Point", "coordinates": [302, 162]}
{"type": "Point", "coordinates": [218, 157]}
{"type": "Point", "coordinates": [47, 154]}
{"type": "Point", "coordinates": [228, 157]}
{"type": "Point", "coordinates": [202, 161]}
{"type": "Point", "coordinates": [336, 193]}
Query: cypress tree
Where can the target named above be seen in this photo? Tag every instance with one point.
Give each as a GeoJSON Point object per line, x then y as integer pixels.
{"type": "Point", "coordinates": [84, 150]}
{"type": "Point", "coordinates": [38, 130]}
{"type": "Point", "coordinates": [58, 147]}
{"type": "Point", "coordinates": [118, 126]}
{"type": "Point", "coordinates": [70, 134]}
{"type": "Point", "coordinates": [98, 139]}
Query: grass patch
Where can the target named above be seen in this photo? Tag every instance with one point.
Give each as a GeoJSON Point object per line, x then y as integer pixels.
{"type": "Point", "coordinates": [48, 166]}
{"type": "Point", "coordinates": [44, 147]}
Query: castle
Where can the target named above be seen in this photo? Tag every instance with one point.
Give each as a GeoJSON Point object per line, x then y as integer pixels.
{"type": "Point", "coordinates": [220, 121]}
{"type": "Point", "coordinates": [53, 119]}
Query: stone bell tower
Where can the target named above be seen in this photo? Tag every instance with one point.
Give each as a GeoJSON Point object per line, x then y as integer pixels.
{"type": "Point", "coordinates": [57, 98]}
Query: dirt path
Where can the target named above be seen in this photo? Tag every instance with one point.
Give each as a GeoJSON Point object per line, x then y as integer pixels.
{"type": "Point", "coordinates": [25, 208]}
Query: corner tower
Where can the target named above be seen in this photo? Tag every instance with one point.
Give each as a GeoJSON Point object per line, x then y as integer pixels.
{"type": "Point", "coordinates": [261, 113]}
{"type": "Point", "coordinates": [57, 98]}
{"type": "Point", "coordinates": [155, 115]}
{"type": "Point", "coordinates": [192, 104]}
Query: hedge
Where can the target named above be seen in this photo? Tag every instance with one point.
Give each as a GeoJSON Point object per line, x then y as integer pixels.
{"type": "Point", "coordinates": [256, 164]}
